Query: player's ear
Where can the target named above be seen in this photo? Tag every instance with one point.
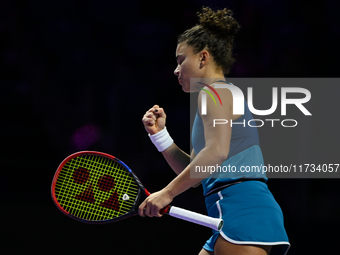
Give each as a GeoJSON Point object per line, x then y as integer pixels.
{"type": "Point", "coordinates": [204, 58]}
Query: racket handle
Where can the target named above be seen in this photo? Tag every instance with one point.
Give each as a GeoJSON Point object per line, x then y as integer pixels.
{"type": "Point", "coordinates": [197, 218]}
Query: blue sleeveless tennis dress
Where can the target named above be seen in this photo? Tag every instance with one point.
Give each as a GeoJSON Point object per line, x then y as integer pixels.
{"type": "Point", "coordinates": [242, 199]}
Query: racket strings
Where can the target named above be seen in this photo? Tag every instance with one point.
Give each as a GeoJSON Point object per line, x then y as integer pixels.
{"type": "Point", "coordinates": [95, 188]}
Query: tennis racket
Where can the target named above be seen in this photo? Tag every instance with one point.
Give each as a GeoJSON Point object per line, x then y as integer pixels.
{"type": "Point", "coordinates": [95, 187]}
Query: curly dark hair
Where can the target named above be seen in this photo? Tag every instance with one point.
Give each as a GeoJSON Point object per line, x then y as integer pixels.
{"type": "Point", "coordinates": [215, 32]}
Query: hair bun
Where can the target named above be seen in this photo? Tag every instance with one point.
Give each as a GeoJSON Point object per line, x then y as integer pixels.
{"type": "Point", "coordinates": [220, 22]}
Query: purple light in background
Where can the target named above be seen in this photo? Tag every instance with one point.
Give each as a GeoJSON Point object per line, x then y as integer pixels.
{"type": "Point", "coordinates": [85, 137]}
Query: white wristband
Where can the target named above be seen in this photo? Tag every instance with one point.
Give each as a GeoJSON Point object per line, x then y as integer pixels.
{"type": "Point", "coordinates": [162, 140]}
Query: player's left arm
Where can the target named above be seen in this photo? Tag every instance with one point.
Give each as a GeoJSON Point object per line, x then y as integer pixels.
{"type": "Point", "coordinates": [217, 142]}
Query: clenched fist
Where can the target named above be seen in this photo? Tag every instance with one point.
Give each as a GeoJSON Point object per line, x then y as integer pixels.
{"type": "Point", "coordinates": [154, 120]}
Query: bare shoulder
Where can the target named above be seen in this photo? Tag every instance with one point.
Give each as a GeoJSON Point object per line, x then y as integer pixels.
{"type": "Point", "coordinates": [212, 100]}
{"type": "Point", "coordinates": [228, 93]}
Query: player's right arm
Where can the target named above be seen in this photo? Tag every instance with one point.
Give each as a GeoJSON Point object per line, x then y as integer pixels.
{"type": "Point", "coordinates": [154, 121]}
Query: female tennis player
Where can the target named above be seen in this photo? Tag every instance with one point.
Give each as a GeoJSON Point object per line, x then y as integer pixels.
{"type": "Point", "coordinates": [253, 221]}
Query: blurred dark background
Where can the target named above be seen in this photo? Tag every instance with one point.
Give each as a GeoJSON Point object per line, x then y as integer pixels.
{"type": "Point", "coordinates": [79, 75]}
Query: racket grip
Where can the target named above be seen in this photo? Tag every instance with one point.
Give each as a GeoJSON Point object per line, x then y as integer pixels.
{"type": "Point", "coordinates": [197, 218]}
